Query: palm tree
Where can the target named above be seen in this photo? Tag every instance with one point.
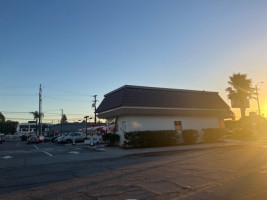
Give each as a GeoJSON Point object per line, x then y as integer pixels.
{"type": "Point", "coordinates": [240, 91]}
{"type": "Point", "coordinates": [36, 117]}
{"type": "Point", "coordinates": [2, 117]}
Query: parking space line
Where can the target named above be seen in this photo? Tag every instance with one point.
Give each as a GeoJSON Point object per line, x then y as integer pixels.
{"type": "Point", "coordinates": [47, 153]}
{"type": "Point", "coordinates": [36, 147]}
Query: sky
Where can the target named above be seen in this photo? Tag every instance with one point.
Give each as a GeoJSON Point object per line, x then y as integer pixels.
{"type": "Point", "coordinates": [79, 48]}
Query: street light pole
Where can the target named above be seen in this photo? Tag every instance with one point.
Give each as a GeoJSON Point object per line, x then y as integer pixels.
{"type": "Point", "coordinates": [86, 125]}
{"type": "Point", "coordinates": [257, 93]}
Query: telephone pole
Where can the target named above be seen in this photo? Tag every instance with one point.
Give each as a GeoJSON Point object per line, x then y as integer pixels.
{"type": "Point", "coordinates": [61, 121]}
{"type": "Point", "coordinates": [257, 93]}
{"type": "Point", "coordinates": [40, 110]}
{"type": "Point", "coordinates": [94, 105]}
{"type": "Point", "coordinates": [86, 117]}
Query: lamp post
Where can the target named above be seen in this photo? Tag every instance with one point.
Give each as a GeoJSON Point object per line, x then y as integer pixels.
{"type": "Point", "coordinates": [86, 125]}
{"type": "Point", "coordinates": [257, 93]}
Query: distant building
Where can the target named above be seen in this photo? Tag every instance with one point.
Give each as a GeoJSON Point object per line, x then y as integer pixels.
{"type": "Point", "coordinates": [72, 127]}
{"type": "Point", "coordinates": [137, 108]}
{"type": "Point", "coordinates": [30, 127]}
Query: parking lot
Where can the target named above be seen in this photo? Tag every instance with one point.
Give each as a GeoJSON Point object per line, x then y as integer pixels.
{"type": "Point", "coordinates": [19, 153]}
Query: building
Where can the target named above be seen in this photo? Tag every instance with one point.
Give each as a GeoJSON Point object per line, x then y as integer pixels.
{"type": "Point", "coordinates": [31, 128]}
{"type": "Point", "coordinates": [73, 127]}
{"type": "Point", "coordinates": [137, 108]}
{"type": "Point", "coordinates": [26, 128]}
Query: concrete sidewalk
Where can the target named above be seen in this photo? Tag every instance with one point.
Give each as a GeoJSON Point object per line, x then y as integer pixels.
{"type": "Point", "coordinates": [117, 151]}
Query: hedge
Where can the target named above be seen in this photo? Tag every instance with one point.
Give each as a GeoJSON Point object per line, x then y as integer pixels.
{"type": "Point", "coordinates": [190, 136]}
{"type": "Point", "coordinates": [138, 139]}
{"type": "Point", "coordinates": [212, 134]}
{"type": "Point", "coordinates": [244, 134]}
{"type": "Point", "coordinates": [111, 138]}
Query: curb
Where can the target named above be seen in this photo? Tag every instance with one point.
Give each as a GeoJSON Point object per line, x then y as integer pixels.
{"type": "Point", "coordinates": [174, 151]}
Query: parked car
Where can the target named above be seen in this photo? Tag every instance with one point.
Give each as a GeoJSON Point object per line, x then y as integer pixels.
{"type": "Point", "coordinates": [70, 137]}
{"type": "Point", "coordinates": [43, 138]}
{"type": "Point", "coordinates": [2, 137]}
{"type": "Point", "coordinates": [55, 138]}
{"type": "Point", "coordinates": [33, 139]}
{"type": "Point", "coordinates": [46, 139]}
{"type": "Point", "coordinates": [23, 138]}
{"type": "Point", "coordinates": [1, 140]}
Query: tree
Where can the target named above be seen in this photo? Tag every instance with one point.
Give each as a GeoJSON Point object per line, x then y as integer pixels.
{"type": "Point", "coordinates": [2, 117]}
{"type": "Point", "coordinates": [241, 90]}
{"type": "Point", "coordinates": [36, 116]}
{"type": "Point", "coordinates": [8, 127]}
{"type": "Point", "coordinates": [64, 119]}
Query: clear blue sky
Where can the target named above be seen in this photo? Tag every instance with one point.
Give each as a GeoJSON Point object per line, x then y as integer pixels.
{"type": "Point", "coordinates": [80, 48]}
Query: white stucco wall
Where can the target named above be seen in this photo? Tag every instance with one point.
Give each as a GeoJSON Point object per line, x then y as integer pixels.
{"type": "Point", "coordinates": [142, 123]}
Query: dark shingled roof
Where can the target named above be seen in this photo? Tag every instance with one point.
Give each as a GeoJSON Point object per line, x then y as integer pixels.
{"type": "Point", "coordinates": [138, 96]}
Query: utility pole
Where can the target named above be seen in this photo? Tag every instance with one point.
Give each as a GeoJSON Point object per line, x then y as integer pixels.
{"type": "Point", "coordinates": [40, 110]}
{"type": "Point", "coordinates": [86, 125]}
{"type": "Point", "coordinates": [61, 121]}
{"type": "Point", "coordinates": [94, 105]}
{"type": "Point", "coordinates": [257, 93]}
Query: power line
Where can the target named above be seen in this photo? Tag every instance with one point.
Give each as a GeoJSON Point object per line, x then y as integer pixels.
{"type": "Point", "coordinates": [63, 99]}
{"type": "Point", "coordinates": [29, 112]}
{"type": "Point", "coordinates": [66, 91]}
{"type": "Point", "coordinates": [14, 112]}
{"type": "Point", "coordinates": [20, 95]}
{"type": "Point", "coordinates": [9, 87]}
{"type": "Point", "coordinates": [64, 95]}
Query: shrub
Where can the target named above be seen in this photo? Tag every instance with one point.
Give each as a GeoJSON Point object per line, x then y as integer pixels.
{"type": "Point", "coordinates": [212, 134]}
{"type": "Point", "coordinates": [244, 134]}
{"type": "Point", "coordinates": [190, 136]}
{"type": "Point", "coordinates": [139, 139]}
{"type": "Point", "coordinates": [111, 138]}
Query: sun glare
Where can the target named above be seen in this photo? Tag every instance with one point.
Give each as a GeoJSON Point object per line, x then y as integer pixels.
{"type": "Point", "coordinates": [264, 109]}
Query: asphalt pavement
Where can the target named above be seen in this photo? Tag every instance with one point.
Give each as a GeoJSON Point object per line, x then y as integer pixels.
{"type": "Point", "coordinates": [230, 170]}
{"type": "Point", "coordinates": [14, 154]}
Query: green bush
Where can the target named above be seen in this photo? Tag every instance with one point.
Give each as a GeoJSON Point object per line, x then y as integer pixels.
{"type": "Point", "coordinates": [244, 134]}
{"type": "Point", "coordinates": [138, 139]}
{"type": "Point", "coordinates": [111, 138]}
{"type": "Point", "coordinates": [212, 134]}
{"type": "Point", "coordinates": [190, 136]}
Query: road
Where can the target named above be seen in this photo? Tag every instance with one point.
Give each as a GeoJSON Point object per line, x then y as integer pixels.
{"type": "Point", "coordinates": [238, 172]}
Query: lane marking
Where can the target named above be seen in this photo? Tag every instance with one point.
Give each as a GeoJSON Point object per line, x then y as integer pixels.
{"type": "Point", "coordinates": [36, 147]}
{"type": "Point", "coordinates": [6, 157]}
{"type": "Point", "coordinates": [74, 152]}
{"type": "Point", "coordinates": [47, 153]}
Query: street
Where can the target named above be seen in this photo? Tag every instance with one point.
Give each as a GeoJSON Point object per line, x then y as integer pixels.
{"type": "Point", "coordinates": [236, 172]}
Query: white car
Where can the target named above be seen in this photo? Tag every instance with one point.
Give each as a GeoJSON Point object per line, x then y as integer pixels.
{"type": "Point", "coordinates": [71, 137]}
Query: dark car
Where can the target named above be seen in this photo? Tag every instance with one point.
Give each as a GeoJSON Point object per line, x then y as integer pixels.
{"type": "Point", "coordinates": [2, 138]}
{"type": "Point", "coordinates": [23, 138]}
{"type": "Point", "coordinates": [33, 139]}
